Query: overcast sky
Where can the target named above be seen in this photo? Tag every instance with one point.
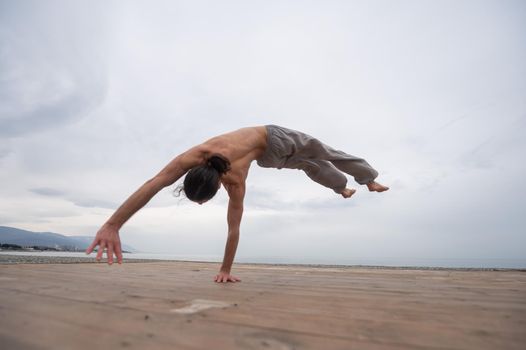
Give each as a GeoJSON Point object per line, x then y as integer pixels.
{"type": "Point", "coordinates": [96, 97]}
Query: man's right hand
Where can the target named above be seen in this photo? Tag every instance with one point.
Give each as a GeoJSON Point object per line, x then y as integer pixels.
{"type": "Point", "coordinates": [224, 276]}
{"type": "Point", "coordinates": [107, 237]}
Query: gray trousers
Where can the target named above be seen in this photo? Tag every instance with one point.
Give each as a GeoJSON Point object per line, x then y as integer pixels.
{"type": "Point", "coordinates": [291, 149]}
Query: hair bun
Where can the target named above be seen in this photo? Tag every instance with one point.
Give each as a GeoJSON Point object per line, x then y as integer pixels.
{"type": "Point", "coordinates": [219, 163]}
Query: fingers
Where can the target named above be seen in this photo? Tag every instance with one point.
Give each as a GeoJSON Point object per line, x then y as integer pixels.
{"type": "Point", "coordinates": [107, 238]}
{"type": "Point", "coordinates": [102, 245]}
{"type": "Point", "coordinates": [221, 279]}
{"type": "Point", "coordinates": [118, 252]}
{"type": "Point", "coordinates": [226, 278]}
{"type": "Point", "coordinates": [233, 279]}
{"type": "Point", "coordinates": [109, 253]}
{"type": "Point", "coordinates": [92, 246]}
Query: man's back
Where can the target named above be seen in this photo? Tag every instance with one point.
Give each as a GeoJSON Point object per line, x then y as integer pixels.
{"type": "Point", "coordinates": [245, 143]}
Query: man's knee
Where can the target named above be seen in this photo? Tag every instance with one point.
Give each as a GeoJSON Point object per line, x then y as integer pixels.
{"type": "Point", "coordinates": [327, 175]}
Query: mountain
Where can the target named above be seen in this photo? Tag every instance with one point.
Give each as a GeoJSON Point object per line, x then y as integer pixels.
{"type": "Point", "coordinates": [11, 235]}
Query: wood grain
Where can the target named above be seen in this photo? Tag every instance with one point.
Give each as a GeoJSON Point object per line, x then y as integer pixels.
{"type": "Point", "coordinates": [87, 306]}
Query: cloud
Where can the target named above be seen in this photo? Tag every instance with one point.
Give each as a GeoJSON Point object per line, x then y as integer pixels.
{"type": "Point", "coordinates": [67, 109]}
{"type": "Point", "coordinates": [93, 203]}
{"type": "Point", "coordinates": [505, 143]}
{"type": "Point", "coordinates": [77, 199]}
{"type": "Point", "coordinates": [47, 78]}
{"type": "Point", "coordinates": [20, 210]}
{"type": "Point", "coordinates": [4, 152]}
{"type": "Point", "coordinates": [258, 198]}
{"type": "Point", "coordinates": [47, 192]}
{"type": "Point", "coordinates": [97, 97]}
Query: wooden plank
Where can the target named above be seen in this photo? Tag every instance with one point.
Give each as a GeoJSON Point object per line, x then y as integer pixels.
{"type": "Point", "coordinates": [285, 307]}
{"type": "Point", "coordinates": [84, 326]}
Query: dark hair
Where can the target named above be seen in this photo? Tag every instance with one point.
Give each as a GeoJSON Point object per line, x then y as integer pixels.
{"type": "Point", "coordinates": [202, 182]}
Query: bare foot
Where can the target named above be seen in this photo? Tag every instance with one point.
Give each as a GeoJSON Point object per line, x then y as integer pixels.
{"type": "Point", "coordinates": [346, 193]}
{"type": "Point", "coordinates": [376, 187]}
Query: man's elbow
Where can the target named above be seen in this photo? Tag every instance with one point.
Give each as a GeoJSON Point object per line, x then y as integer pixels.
{"type": "Point", "coordinates": [159, 182]}
{"type": "Point", "coordinates": [233, 233]}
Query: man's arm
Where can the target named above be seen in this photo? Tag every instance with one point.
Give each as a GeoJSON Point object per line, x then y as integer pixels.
{"type": "Point", "coordinates": [235, 213]}
{"type": "Point", "coordinates": [108, 235]}
{"type": "Point", "coordinates": [167, 176]}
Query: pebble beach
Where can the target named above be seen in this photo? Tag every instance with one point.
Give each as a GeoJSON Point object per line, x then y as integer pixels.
{"type": "Point", "coordinates": [39, 259]}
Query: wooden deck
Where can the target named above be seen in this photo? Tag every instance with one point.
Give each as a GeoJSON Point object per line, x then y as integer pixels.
{"type": "Point", "coordinates": [176, 305]}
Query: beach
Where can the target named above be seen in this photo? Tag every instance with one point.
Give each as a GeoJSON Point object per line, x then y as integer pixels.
{"type": "Point", "coordinates": [43, 259]}
{"type": "Point", "coordinates": [68, 303]}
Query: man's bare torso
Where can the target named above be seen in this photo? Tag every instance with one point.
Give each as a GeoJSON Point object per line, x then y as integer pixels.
{"type": "Point", "coordinates": [240, 147]}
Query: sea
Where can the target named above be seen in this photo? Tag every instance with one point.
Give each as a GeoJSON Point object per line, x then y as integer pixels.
{"type": "Point", "coordinates": [485, 263]}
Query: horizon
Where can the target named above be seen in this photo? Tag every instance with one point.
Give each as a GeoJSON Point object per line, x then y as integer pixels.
{"type": "Point", "coordinates": [409, 262]}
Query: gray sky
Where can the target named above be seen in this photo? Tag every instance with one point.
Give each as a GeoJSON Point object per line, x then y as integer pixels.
{"type": "Point", "coordinates": [96, 97]}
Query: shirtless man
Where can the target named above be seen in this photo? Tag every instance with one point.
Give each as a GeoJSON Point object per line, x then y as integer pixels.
{"type": "Point", "coordinates": [226, 159]}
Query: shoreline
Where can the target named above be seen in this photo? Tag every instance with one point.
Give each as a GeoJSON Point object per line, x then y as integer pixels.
{"type": "Point", "coordinates": [8, 259]}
